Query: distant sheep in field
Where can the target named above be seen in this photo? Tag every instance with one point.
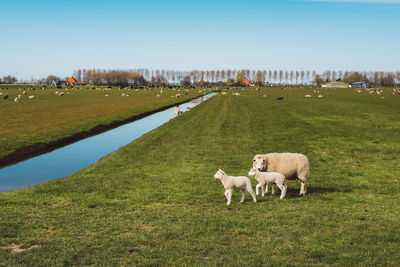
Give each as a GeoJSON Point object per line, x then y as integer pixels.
{"type": "Point", "coordinates": [178, 96]}
{"type": "Point", "coordinates": [235, 182]}
{"type": "Point", "coordinates": [24, 93]}
{"type": "Point", "coordinates": [31, 97]}
{"type": "Point", "coordinates": [177, 111]}
{"type": "Point", "coordinates": [16, 100]}
{"type": "Point", "coordinates": [61, 94]}
{"type": "Point", "coordinates": [265, 178]}
{"type": "Point", "coordinates": [308, 96]}
{"type": "Point", "coordinates": [320, 96]}
{"type": "Point", "coordinates": [5, 96]}
{"type": "Point", "coordinates": [158, 95]}
{"type": "Point", "coordinates": [291, 165]}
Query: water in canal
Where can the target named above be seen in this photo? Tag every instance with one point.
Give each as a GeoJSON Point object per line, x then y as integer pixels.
{"type": "Point", "coordinates": [71, 158]}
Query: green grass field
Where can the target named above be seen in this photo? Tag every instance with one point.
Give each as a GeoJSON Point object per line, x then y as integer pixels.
{"type": "Point", "coordinates": [49, 117]}
{"type": "Point", "coordinates": [155, 201]}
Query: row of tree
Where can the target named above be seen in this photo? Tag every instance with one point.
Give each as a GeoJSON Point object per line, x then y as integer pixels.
{"type": "Point", "coordinates": [232, 77]}
{"type": "Point", "coordinates": [228, 77]}
{"type": "Point", "coordinates": [8, 79]}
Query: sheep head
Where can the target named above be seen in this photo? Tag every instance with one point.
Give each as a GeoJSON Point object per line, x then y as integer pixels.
{"type": "Point", "coordinates": [260, 163]}
{"type": "Point", "coordinates": [219, 174]}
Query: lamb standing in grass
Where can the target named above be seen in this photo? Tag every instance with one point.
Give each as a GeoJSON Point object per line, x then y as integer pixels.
{"type": "Point", "coordinates": [265, 178]}
{"type": "Point", "coordinates": [231, 182]}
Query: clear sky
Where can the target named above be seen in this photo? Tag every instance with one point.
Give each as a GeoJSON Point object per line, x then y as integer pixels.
{"type": "Point", "coordinates": [45, 37]}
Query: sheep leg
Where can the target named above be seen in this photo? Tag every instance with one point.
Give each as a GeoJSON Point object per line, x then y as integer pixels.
{"type": "Point", "coordinates": [243, 195]}
{"type": "Point", "coordinates": [257, 187]}
{"type": "Point", "coordinates": [283, 188]}
{"type": "Point", "coordinates": [228, 194]}
{"type": "Point", "coordinates": [273, 189]}
{"type": "Point", "coordinates": [250, 190]}
{"type": "Point", "coordinates": [303, 188]}
{"type": "Point", "coordinates": [262, 190]}
{"type": "Point", "coordinates": [266, 188]}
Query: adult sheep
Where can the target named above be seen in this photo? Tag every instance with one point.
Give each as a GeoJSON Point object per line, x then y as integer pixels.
{"type": "Point", "coordinates": [291, 165]}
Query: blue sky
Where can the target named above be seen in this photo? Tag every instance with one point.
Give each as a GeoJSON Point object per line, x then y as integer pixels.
{"type": "Point", "coordinates": [45, 37]}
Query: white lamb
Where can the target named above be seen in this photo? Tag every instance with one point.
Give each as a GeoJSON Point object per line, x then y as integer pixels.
{"type": "Point", "coordinates": [265, 178]}
{"type": "Point", "coordinates": [231, 182]}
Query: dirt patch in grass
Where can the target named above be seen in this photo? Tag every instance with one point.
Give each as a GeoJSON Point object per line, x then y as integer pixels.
{"type": "Point", "coordinates": [17, 248]}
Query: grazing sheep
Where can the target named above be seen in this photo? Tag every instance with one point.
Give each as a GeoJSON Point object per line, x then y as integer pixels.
{"type": "Point", "coordinates": [308, 96]}
{"type": "Point", "coordinates": [31, 97]}
{"type": "Point", "coordinates": [5, 96]}
{"type": "Point", "coordinates": [177, 111]}
{"type": "Point", "coordinates": [265, 178]}
{"type": "Point", "coordinates": [61, 94]}
{"type": "Point", "coordinates": [158, 95]}
{"type": "Point", "coordinates": [224, 93]}
{"type": "Point", "coordinates": [279, 98]}
{"type": "Point", "coordinates": [16, 100]}
{"type": "Point", "coordinates": [320, 96]}
{"type": "Point", "coordinates": [291, 165]}
{"type": "Point", "coordinates": [235, 182]}
{"type": "Point", "coordinates": [24, 93]}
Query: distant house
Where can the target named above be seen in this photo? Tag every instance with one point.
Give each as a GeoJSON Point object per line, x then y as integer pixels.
{"type": "Point", "coordinates": [360, 85]}
{"type": "Point", "coordinates": [57, 83]}
{"type": "Point", "coordinates": [202, 82]}
{"type": "Point", "coordinates": [73, 81]}
{"type": "Point", "coordinates": [336, 84]}
{"type": "Point", "coordinates": [246, 83]}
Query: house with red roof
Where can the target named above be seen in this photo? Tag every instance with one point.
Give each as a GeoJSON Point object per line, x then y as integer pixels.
{"type": "Point", "coordinates": [73, 81]}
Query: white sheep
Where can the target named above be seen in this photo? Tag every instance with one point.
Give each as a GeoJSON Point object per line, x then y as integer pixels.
{"type": "Point", "coordinates": [265, 178]}
{"type": "Point", "coordinates": [308, 96]}
{"type": "Point", "coordinates": [177, 111]}
{"type": "Point", "coordinates": [31, 97]}
{"type": "Point", "coordinates": [235, 182]}
{"type": "Point", "coordinates": [291, 165]}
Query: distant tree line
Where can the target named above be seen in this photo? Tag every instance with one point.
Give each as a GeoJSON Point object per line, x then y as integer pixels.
{"type": "Point", "coordinates": [221, 77]}
{"type": "Point", "coordinates": [8, 79]}
{"type": "Point", "coordinates": [231, 77]}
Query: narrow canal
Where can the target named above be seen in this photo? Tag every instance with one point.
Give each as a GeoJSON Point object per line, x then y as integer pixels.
{"type": "Point", "coordinates": [74, 157]}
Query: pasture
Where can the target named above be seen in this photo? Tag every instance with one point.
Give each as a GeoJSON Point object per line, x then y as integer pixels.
{"type": "Point", "coordinates": [33, 124]}
{"type": "Point", "coordinates": [155, 201]}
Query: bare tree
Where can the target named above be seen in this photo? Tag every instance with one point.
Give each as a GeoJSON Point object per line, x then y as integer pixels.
{"type": "Point", "coordinates": [275, 76]}
{"type": "Point", "coordinates": [287, 77]}
{"type": "Point", "coordinates": [291, 77]}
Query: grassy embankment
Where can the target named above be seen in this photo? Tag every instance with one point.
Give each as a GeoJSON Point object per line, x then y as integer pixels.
{"type": "Point", "coordinates": [49, 118]}
{"type": "Point", "coordinates": [155, 201]}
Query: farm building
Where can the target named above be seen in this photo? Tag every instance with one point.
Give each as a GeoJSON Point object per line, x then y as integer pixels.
{"type": "Point", "coordinates": [57, 83]}
{"type": "Point", "coordinates": [202, 82]}
{"type": "Point", "coordinates": [335, 85]}
{"type": "Point", "coordinates": [360, 85]}
{"type": "Point", "coordinates": [246, 83]}
{"type": "Point", "coordinates": [73, 81]}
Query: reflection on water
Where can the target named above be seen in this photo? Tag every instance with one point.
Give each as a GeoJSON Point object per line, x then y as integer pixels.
{"type": "Point", "coordinates": [69, 159]}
